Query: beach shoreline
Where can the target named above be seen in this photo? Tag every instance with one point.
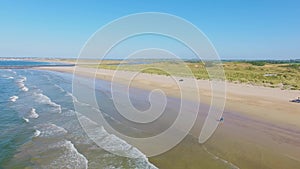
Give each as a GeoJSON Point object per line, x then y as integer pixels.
{"type": "Point", "coordinates": [258, 120]}
{"type": "Point", "coordinates": [258, 101]}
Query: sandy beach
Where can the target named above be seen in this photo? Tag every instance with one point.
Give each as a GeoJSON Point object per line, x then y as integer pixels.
{"type": "Point", "coordinates": [261, 102]}
{"type": "Point", "coordinates": [261, 127]}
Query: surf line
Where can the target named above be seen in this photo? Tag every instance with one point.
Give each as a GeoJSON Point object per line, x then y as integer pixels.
{"type": "Point", "coordinates": [292, 158]}
{"type": "Point", "coordinates": [221, 159]}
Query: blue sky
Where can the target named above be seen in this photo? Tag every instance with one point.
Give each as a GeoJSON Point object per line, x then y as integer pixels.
{"type": "Point", "coordinates": [257, 29]}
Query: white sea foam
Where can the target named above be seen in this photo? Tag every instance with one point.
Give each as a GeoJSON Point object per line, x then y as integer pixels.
{"type": "Point", "coordinates": [60, 88]}
{"type": "Point", "coordinates": [10, 77]}
{"type": "Point", "coordinates": [50, 130]}
{"type": "Point", "coordinates": [25, 89]}
{"type": "Point", "coordinates": [71, 95]}
{"type": "Point", "coordinates": [41, 98]}
{"type": "Point", "coordinates": [21, 84]}
{"type": "Point", "coordinates": [26, 120]}
{"type": "Point", "coordinates": [69, 113]}
{"type": "Point", "coordinates": [13, 98]}
{"type": "Point", "coordinates": [33, 114]}
{"type": "Point", "coordinates": [21, 80]}
{"type": "Point", "coordinates": [70, 158]}
{"type": "Point", "coordinates": [75, 99]}
{"type": "Point", "coordinates": [112, 143]}
{"type": "Point", "coordinates": [37, 133]}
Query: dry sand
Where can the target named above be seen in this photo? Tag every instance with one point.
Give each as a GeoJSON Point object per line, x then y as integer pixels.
{"type": "Point", "coordinates": [261, 128]}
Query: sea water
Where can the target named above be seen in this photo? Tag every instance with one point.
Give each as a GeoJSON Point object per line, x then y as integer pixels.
{"type": "Point", "coordinates": [39, 127]}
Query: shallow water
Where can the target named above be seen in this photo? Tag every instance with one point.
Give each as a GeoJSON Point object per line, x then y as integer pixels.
{"type": "Point", "coordinates": [40, 129]}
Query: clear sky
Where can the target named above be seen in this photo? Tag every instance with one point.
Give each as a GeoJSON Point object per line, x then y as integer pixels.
{"type": "Point", "coordinates": [254, 29]}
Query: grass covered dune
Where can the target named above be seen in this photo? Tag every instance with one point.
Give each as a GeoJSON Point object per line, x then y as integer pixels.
{"type": "Point", "coordinates": [284, 74]}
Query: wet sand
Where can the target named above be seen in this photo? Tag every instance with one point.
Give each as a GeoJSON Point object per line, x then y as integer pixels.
{"type": "Point", "coordinates": [261, 127]}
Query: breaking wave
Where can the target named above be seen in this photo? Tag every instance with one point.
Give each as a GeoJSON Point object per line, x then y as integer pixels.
{"type": "Point", "coordinates": [26, 120]}
{"type": "Point", "coordinates": [70, 158]}
{"type": "Point", "coordinates": [41, 98]}
{"type": "Point", "coordinates": [114, 144]}
{"type": "Point", "coordinates": [37, 133]}
{"type": "Point", "coordinates": [21, 84]}
{"type": "Point", "coordinates": [50, 130]}
{"type": "Point", "coordinates": [13, 98]}
{"type": "Point", "coordinates": [33, 114]}
{"type": "Point", "coordinates": [10, 77]}
{"type": "Point", "coordinates": [25, 89]}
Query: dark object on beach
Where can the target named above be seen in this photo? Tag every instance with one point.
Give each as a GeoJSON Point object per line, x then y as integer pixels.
{"type": "Point", "coordinates": [296, 100]}
{"type": "Point", "coordinates": [180, 80]}
{"type": "Point", "coordinates": [221, 119]}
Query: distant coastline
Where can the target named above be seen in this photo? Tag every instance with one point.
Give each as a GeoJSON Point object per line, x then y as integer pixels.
{"type": "Point", "coordinates": [34, 66]}
{"type": "Point", "coordinates": [29, 63]}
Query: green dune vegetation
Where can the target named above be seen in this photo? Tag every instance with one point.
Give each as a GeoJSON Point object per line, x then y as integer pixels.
{"type": "Point", "coordinates": [279, 74]}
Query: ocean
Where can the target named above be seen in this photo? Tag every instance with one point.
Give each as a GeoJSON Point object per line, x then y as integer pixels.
{"type": "Point", "coordinates": [39, 127]}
